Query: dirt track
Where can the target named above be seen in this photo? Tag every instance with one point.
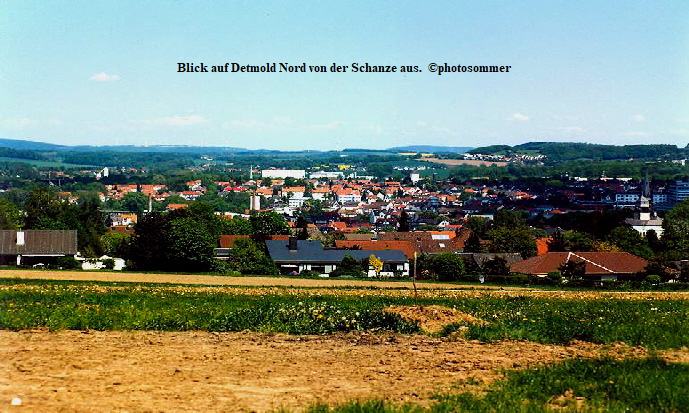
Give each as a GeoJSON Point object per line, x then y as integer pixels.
{"type": "Point", "coordinates": [170, 371]}
{"type": "Point", "coordinates": [218, 280]}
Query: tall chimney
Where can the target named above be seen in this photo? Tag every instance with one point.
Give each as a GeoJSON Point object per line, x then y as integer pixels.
{"type": "Point", "coordinates": [292, 243]}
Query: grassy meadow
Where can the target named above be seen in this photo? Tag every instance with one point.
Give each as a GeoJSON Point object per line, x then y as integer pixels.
{"type": "Point", "coordinates": [656, 321]}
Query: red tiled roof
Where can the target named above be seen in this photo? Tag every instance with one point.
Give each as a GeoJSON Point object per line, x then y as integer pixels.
{"type": "Point", "coordinates": [407, 247]}
{"type": "Point", "coordinates": [596, 263]}
{"type": "Point", "coordinates": [425, 243]}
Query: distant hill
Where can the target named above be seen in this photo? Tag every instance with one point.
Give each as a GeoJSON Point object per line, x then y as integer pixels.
{"type": "Point", "coordinates": [430, 149]}
{"type": "Point", "coordinates": [158, 149]}
{"type": "Point", "coordinates": [30, 145]}
{"type": "Point", "coordinates": [42, 146]}
{"type": "Point", "coordinates": [566, 151]}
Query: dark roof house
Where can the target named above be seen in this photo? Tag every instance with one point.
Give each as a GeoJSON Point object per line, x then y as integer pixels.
{"type": "Point", "coordinates": [15, 246]}
{"type": "Point", "coordinates": [298, 255]}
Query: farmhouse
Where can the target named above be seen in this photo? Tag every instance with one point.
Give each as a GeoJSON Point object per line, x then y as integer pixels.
{"type": "Point", "coordinates": [35, 246]}
{"type": "Point", "coordinates": [600, 265]}
{"type": "Point", "coordinates": [299, 255]}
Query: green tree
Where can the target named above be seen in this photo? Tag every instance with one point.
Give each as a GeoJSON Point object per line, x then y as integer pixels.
{"type": "Point", "coordinates": [191, 245]}
{"type": "Point", "coordinates": [578, 241]}
{"type": "Point", "coordinates": [403, 223]}
{"type": "Point", "coordinates": [348, 266]}
{"type": "Point", "coordinates": [473, 243]}
{"type": "Point", "coordinates": [447, 266]}
{"type": "Point", "coordinates": [248, 258]}
{"type": "Point", "coordinates": [42, 209]}
{"type": "Point", "coordinates": [180, 240]}
{"type": "Point", "coordinates": [10, 217]}
{"type": "Point", "coordinates": [301, 227]}
{"type": "Point", "coordinates": [496, 266]}
{"type": "Point", "coordinates": [676, 231]}
{"type": "Point", "coordinates": [116, 244]}
{"type": "Point", "coordinates": [269, 223]}
{"type": "Point", "coordinates": [236, 226]}
{"type": "Point", "coordinates": [478, 226]}
{"type": "Point", "coordinates": [150, 249]}
{"type": "Point", "coordinates": [573, 269]}
{"type": "Point", "coordinates": [519, 240]}
{"type": "Point", "coordinates": [631, 241]}
{"type": "Point", "coordinates": [557, 242]}
{"type": "Point", "coordinates": [89, 221]}
{"type": "Point", "coordinates": [135, 202]}
{"type": "Point", "coordinates": [509, 219]}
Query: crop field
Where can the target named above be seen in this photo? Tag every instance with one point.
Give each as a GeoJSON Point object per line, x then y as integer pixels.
{"type": "Point", "coordinates": [132, 346]}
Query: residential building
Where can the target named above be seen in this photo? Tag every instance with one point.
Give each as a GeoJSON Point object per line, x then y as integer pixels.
{"type": "Point", "coordinates": [599, 265]}
{"type": "Point", "coordinates": [295, 256]}
{"type": "Point", "coordinates": [284, 173]}
{"type": "Point", "coordinates": [32, 247]}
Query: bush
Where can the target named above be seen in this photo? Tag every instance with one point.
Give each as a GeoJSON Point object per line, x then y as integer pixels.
{"type": "Point", "coordinates": [68, 262]}
{"type": "Point", "coordinates": [108, 263]}
{"type": "Point", "coordinates": [447, 266]}
{"type": "Point", "coordinates": [653, 279]}
{"type": "Point", "coordinates": [348, 267]}
{"type": "Point", "coordinates": [555, 277]}
{"type": "Point", "coordinates": [496, 266]}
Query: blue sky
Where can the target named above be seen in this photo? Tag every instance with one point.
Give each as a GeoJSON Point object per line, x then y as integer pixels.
{"type": "Point", "coordinates": [91, 72]}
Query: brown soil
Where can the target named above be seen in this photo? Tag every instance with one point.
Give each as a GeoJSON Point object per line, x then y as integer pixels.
{"type": "Point", "coordinates": [220, 280]}
{"type": "Point", "coordinates": [163, 371]}
{"type": "Point", "coordinates": [433, 318]}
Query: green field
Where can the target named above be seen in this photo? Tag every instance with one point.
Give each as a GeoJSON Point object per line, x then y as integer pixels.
{"type": "Point", "coordinates": [658, 322]}
{"type": "Point", "coordinates": [654, 321]}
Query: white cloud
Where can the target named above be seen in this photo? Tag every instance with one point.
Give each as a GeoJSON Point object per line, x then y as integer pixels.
{"type": "Point", "coordinates": [249, 123]}
{"type": "Point", "coordinates": [565, 117]}
{"type": "Point", "coordinates": [183, 120]}
{"type": "Point", "coordinates": [635, 133]}
{"type": "Point", "coordinates": [17, 122]}
{"type": "Point", "coordinates": [571, 129]}
{"type": "Point", "coordinates": [377, 129]}
{"type": "Point", "coordinates": [171, 121]}
{"type": "Point", "coordinates": [330, 125]}
{"type": "Point", "coordinates": [639, 118]}
{"type": "Point", "coordinates": [518, 117]}
{"type": "Point", "coordinates": [282, 119]}
{"type": "Point", "coordinates": [104, 77]}
{"type": "Point", "coordinates": [681, 131]}
{"type": "Point", "coordinates": [420, 123]}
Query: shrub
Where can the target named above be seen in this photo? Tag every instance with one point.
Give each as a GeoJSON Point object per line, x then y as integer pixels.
{"type": "Point", "coordinates": [108, 263]}
{"type": "Point", "coordinates": [555, 277]}
{"type": "Point", "coordinates": [68, 262]}
{"type": "Point", "coordinates": [653, 279]}
{"type": "Point", "coordinates": [447, 266]}
{"type": "Point", "coordinates": [496, 266]}
{"type": "Point", "coordinates": [348, 267]}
